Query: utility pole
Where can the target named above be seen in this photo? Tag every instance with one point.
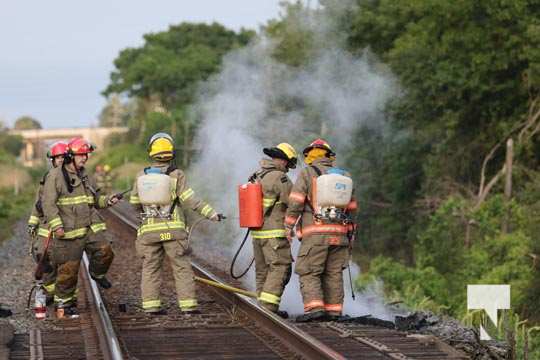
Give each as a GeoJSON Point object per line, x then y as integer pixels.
{"type": "Point", "coordinates": [508, 183]}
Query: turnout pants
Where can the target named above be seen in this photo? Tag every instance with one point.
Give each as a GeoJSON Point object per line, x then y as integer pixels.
{"type": "Point", "coordinates": [66, 256]}
{"type": "Point", "coordinates": [320, 268]}
{"type": "Point", "coordinates": [152, 255]}
{"type": "Point", "coordinates": [272, 270]}
{"type": "Point", "coordinates": [38, 250]}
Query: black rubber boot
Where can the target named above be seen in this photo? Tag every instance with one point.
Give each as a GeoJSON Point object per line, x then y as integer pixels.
{"type": "Point", "coordinates": [331, 317]}
{"type": "Point", "coordinates": [68, 311]}
{"type": "Point", "coordinates": [312, 316]}
{"type": "Point", "coordinates": [103, 282]}
{"type": "Point", "coordinates": [71, 312]}
{"type": "Point", "coordinates": [157, 312]}
{"type": "Point", "coordinates": [282, 314]}
{"type": "Point", "coordinates": [5, 312]}
{"type": "Point", "coordinates": [49, 300]}
{"type": "Point", "coordinates": [191, 311]}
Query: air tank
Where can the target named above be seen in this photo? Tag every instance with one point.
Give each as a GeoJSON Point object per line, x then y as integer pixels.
{"type": "Point", "coordinates": [154, 189]}
{"type": "Point", "coordinates": [334, 190]}
{"type": "Point", "coordinates": [250, 205]}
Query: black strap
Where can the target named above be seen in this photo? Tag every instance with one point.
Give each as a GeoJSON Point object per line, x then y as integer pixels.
{"type": "Point", "coordinates": [67, 179]}
{"type": "Point", "coordinates": [319, 173]}
{"type": "Point", "coordinates": [255, 175]}
{"type": "Point", "coordinates": [171, 168]}
{"type": "Point", "coordinates": [316, 169]}
{"type": "Point", "coordinates": [176, 200]}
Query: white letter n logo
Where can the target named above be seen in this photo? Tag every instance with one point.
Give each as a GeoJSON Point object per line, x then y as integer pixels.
{"type": "Point", "coordinates": [489, 298]}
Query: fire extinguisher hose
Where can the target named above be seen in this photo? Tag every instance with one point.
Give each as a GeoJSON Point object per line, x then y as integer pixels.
{"type": "Point", "coordinates": [236, 277]}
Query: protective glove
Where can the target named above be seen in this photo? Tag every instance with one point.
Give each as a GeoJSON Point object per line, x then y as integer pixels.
{"type": "Point", "coordinates": [289, 233]}
{"type": "Point", "coordinates": [32, 230]}
{"type": "Point", "coordinates": [112, 200]}
{"type": "Point", "coordinates": [59, 233]}
{"type": "Point", "coordinates": [217, 217]}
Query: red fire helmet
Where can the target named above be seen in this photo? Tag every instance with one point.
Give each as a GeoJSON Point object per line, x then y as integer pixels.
{"type": "Point", "coordinates": [79, 146]}
{"type": "Point", "coordinates": [321, 144]}
{"type": "Point", "coordinates": [59, 148]}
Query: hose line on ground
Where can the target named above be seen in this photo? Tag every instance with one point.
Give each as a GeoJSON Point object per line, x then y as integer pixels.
{"type": "Point", "coordinates": [236, 277]}
{"type": "Point", "coordinates": [216, 284]}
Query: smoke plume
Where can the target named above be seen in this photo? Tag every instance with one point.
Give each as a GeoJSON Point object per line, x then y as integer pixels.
{"type": "Point", "coordinates": [257, 102]}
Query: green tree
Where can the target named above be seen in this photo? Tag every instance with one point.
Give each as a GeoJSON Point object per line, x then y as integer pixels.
{"type": "Point", "coordinates": [463, 65]}
{"type": "Point", "coordinates": [293, 36]}
{"type": "Point", "coordinates": [171, 63]}
{"type": "Point", "coordinates": [10, 144]}
{"type": "Point", "coordinates": [26, 123]}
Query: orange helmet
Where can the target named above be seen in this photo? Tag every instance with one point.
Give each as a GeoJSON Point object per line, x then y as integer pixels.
{"type": "Point", "coordinates": [59, 148]}
{"type": "Point", "coordinates": [79, 146]}
{"type": "Point", "coordinates": [320, 144]}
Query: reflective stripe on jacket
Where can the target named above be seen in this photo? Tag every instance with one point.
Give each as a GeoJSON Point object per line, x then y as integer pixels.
{"type": "Point", "coordinates": [75, 211]}
{"type": "Point", "coordinates": [157, 229]}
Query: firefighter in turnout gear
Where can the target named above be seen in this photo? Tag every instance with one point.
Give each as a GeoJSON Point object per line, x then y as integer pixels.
{"type": "Point", "coordinates": [108, 188]}
{"type": "Point", "coordinates": [271, 249]}
{"type": "Point", "coordinates": [69, 203]}
{"type": "Point", "coordinates": [37, 226]}
{"type": "Point", "coordinates": [325, 236]}
{"type": "Point", "coordinates": [162, 194]}
{"type": "Point", "coordinates": [99, 175]}
{"type": "Point", "coordinates": [103, 178]}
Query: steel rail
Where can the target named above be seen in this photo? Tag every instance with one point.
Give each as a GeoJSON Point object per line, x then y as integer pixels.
{"type": "Point", "coordinates": [108, 340]}
{"type": "Point", "coordinates": [297, 340]}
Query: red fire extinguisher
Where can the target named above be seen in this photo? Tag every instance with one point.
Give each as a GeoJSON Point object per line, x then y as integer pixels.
{"type": "Point", "coordinates": [250, 204]}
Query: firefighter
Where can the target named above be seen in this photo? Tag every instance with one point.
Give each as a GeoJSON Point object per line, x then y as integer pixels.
{"type": "Point", "coordinates": [37, 226]}
{"type": "Point", "coordinates": [271, 249]}
{"type": "Point", "coordinates": [69, 202]}
{"type": "Point", "coordinates": [163, 228]}
{"type": "Point", "coordinates": [325, 242]}
{"type": "Point", "coordinates": [107, 185]}
{"type": "Point", "coordinates": [99, 175]}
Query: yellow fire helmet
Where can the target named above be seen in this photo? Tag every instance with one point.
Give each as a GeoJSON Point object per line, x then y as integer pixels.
{"type": "Point", "coordinates": [107, 168]}
{"type": "Point", "coordinates": [161, 147]}
{"type": "Point", "coordinates": [283, 151]}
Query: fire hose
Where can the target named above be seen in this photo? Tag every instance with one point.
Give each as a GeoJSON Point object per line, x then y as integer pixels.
{"type": "Point", "coordinates": [236, 277]}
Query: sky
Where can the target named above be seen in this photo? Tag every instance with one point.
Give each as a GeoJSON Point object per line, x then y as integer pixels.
{"type": "Point", "coordinates": [56, 56]}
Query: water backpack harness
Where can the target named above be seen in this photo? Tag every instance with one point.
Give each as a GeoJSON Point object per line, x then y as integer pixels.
{"type": "Point", "coordinates": [251, 209]}
{"type": "Point", "coordinates": [331, 194]}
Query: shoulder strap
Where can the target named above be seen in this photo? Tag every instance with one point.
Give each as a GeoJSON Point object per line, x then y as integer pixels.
{"type": "Point", "coordinates": [67, 179]}
{"type": "Point", "coordinates": [171, 168]}
{"type": "Point", "coordinates": [319, 173]}
{"type": "Point", "coordinates": [316, 169]}
{"type": "Point", "coordinates": [176, 199]}
{"type": "Point", "coordinates": [261, 175]}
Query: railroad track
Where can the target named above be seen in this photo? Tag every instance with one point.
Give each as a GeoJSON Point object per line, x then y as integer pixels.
{"type": "Point", "coordinates": [230, 325]}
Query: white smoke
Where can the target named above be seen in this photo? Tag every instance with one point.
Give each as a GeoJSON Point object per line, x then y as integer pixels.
{"type": "Point", "coordinates": [256, 102]}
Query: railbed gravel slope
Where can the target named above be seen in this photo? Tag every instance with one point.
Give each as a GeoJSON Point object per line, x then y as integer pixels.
{"type": "Point", "coordinates": [16, 279]}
